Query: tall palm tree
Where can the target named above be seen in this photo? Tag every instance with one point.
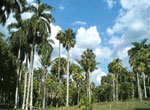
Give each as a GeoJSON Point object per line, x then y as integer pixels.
{"type": "Point", "coordinates": [18, 42]}
{"type": "Point", "coordinates": [59, 37]}
{"type": "Point", "coordinates": [39, 26]}
{"type": "Point", "coordinates": [10, 6]}
{"type": "Point", "coordinates": [68, 41]}
{"type": "Point", "coordinates": [88, 63]}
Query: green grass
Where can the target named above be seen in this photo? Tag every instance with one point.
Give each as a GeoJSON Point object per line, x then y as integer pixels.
{"type": "Point", "coordinates": [130, 105]}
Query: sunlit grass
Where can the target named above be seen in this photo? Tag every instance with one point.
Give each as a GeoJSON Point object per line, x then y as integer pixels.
{"type": "Point", "coordinates": [126, 105]}
{"type": "Point", "coordinates": [130, 105]}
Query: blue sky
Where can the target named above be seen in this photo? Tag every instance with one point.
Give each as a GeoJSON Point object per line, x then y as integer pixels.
{"type": "Point", "coordinates": [106, 26]}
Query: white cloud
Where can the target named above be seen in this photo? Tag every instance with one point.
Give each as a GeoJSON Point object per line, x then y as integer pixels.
{"type": "Point", "coordinates": [30, 1]}
{"type": "Point", "coordinates": [79, 23]}
{"type": "Point", "coordinates": [37, 61]}
{"type": "Point", "coordinates": [26, 15]}
{"type": "Point", "coordinates": [61, 7]}
{"type": "Point", "coordinates": [97, 75]}
{"type": "Point", "coordinates": [131, 25]}
{"type": "Point", "coordinates": [3, 29]}
{"type": "Point", "coordinates": [103, 53]}
{"type": "Point", "coordinates": [89, 38]}
{"type": "Point", "coordinates": [116, 41]}
{"type": "Point", "coordinates": [110, 3]}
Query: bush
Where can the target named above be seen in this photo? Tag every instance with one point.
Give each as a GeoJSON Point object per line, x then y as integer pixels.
{"type": "Point", "coordinates": [85, 104]}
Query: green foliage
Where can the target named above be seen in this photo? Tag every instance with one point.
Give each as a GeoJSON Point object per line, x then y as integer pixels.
{"type": "Point", "coordinates": [7, 73]}
{"type": "Point", "coordinates": [85, 104]}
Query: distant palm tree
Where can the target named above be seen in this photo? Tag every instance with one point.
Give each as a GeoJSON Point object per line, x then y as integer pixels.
{"type": "Point", "coordinates": [59, 37]}
{"type": "Point", "coordinates": [88, 63]}
{"type": "Point", "coordinates": [78, 77]}
{"type": "Point", "coordinates": [63, 65]}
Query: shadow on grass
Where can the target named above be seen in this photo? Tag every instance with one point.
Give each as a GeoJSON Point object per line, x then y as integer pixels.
{"type": "Point", "coordinates": [6, 107]}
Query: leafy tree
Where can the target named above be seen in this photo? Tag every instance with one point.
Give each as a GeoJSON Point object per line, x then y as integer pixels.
{"type": "Point", "coordinates": [137, 61]}
{"type": "Point", "coordinates": [55, 66]}
{"type": "Point", "coordinates": [7, 73]}
{"type": "Point", "coordinates": [115, 67]}
{"type": "Point", "coordinates": [78, 77]}
{"type": "Point", "coordinates": [44, 50]}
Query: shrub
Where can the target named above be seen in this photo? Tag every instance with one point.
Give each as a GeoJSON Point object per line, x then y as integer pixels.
{"type": "Point", "coordinates": [85, 104]}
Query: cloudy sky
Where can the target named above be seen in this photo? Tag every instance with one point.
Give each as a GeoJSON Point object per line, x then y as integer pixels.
{"type": "Point", "coordinates": [106, 26]}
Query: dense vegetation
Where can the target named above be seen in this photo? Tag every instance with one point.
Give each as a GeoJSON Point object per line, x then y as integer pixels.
{"type": "Point", "coordinates": [60, 82]}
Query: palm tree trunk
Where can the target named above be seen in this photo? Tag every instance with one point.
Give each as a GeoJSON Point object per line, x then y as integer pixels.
{"type": "Point", "coordinates": [132, 90]}
{"type": "Point", "coordinates": [17, 82]}
{"type": "Point", "coordinates": [78, 95]}
{"type": "Point", "coordinates": [44, 89]}
{"type": "Point", "coordinates": [89, 85]}
{"type": "Point", "coordinates": [139, 87]}
{"type": "Point", "coordinates": [144, 85]}
{"type": "Point", "coordinates": [114, 97]}
{"type": "Point", "coordinates": [67, 98]}
{"type": "Point", "coordinates": [59, 64]}
{"type": "Point", "coordinates": [25, 84]}
{"type": "Point", "coordinates": [31, 72]}
{"type": "Point", "coordinates": [28, 91]}
{"type": "Point", "coordinates": [117, 89]}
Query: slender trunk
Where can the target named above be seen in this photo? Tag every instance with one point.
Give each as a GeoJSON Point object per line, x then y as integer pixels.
{"type": "Point", "coordinates": [17, 82]}
{"type": "Point", "coordinates": [89, 85]}
{"type": "Point", "coordinates": [117, 89]}
{"type": "Point", "coordinates": [25, 84]}
{"type": "Point", "coordinates": [31, 72]}
{"type": "Point", "coordinates": [87, 92]}
{"type": "Point", "coordinates": [44, 89]}
{"type": "Point", "coordinates": [144, 85]}
{"type": "Point", "coordinates": [59, 64]}
{"type": "Point", "coordinates": [67, 98]}
{"type": "Point", "coordinates": [78, 95]}
{"type": "Point", "coordinates": [139, 87]}
{"type": "Point", "coordinates": [132, 90]}
{"type": "Point", "coordinates": [28, 91]}
{"type": "Point", "coordinates": [114, 97]}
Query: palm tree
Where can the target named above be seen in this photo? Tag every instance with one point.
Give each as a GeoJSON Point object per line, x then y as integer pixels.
{"type": "Point", "coordinates": [78, 77]}
{"type": "Point", "coordinates": [39, 26]}
{"type": "Point", "coordinates": [59, 37]}
{"type": "Point", "coordinates": [18, 42]}
{"type": "Point", "coordinates": [138, 61]}
{"type": "Point", "coordinates": [10, 6]}
{"type": "Point", "coordinates": [115, 67]}
{"type": "Point", "coordinates": [88, 63]}
{"type": "Point", "coordinates": [44, 50]}
{"type": "Point", "coordinates": [68, 41]}
{"type": "Point", "coordinates": [63, 65]}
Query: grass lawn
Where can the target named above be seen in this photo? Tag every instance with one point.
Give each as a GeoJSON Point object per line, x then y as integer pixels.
{"type": "Point", "coordinates": [130, 105]}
